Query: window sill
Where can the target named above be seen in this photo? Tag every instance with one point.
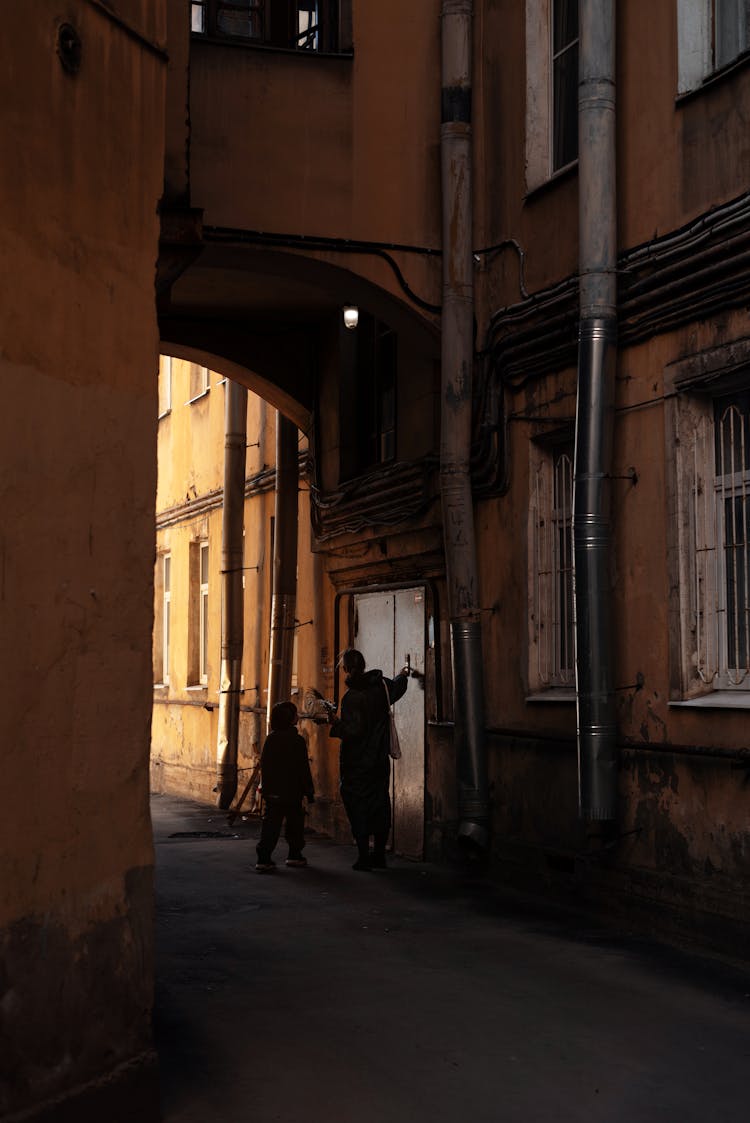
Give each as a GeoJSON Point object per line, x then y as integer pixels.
{"type": "Point", "coordinates": [166, 413]}
{"type": "Point", "coordinates": [715, 78]}
{"type": "Point", "coordinates": [197, 398]}
{"type": "Point", "coordinates": [255, 45]}
{"type": "Point", "coordinates": [559, 694]}
{"type": "Point", "coordinates": [194, 687]}
{"type": "Point", "coordinates": [717, 700]}
{"type": "Point", "coordinates": [539, 189]}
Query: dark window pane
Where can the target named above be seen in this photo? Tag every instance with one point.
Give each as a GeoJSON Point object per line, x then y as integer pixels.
{"type": "Point", "coordinates": [732, 433]}
{"type": "Point", "coordinates": [244, 20]}
{"type": "Point", "coordinates": [565, 23]}
{"type": "Point", "coordinates": [565, 79]}
{"type": "Point", "coordinates": [737, 565]}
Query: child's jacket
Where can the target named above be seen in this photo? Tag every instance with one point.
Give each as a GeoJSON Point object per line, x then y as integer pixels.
{"type": "Point", "coordinates": [284, 767]}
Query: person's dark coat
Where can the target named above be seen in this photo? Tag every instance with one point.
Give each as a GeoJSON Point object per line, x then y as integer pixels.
{"type": "Point", "coordinates": [284, 767]}
{"type": "Point", "coordinates": [365, 765]}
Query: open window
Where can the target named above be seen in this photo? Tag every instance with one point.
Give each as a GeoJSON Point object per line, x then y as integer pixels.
{"type": "Point", "coordinates": [300, 25]}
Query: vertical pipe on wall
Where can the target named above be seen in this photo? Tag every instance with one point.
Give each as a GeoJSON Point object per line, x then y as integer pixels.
{"type": "Point", "coordinates": [232, 615]}
{"type": "Point", "coordinates": [284, 563]}
{"type": "Point", "coordinates": [597, 746]}
{"type": "Point", "coordinates": [457, 358]}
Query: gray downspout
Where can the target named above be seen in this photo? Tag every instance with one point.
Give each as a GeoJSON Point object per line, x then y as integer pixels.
{"type": "Point", "coordinates": [232, 618]}
{"type": "Point", "coordinates": [284, 597]}
{"type": "Point", "coordinates": [457, 357]}
{"type": "Point", "coordinates": [597, 744]}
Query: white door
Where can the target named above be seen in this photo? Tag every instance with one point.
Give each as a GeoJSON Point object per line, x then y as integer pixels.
{"type": "Point", "coordinates": [389, 631]}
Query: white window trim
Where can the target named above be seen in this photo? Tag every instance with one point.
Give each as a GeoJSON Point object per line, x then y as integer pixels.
{"type": "Point", "coordinates": [203, 614]}
{"type": "Point", "coordinates": [547, 680]}
{"type": "Point", "coordinates": [205, 382]}
{"type": "Point", "coordinates": [540, 116]}
{"type": "Point", "coordinates": [698, 645]}
{"type": "Point", "coordinates": [695, 45]}
{"type": "Point", "coordinates": [166, 616]}
{"type": "Point", "coordinates": [165, 375]}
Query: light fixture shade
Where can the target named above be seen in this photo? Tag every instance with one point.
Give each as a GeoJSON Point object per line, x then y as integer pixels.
{"type": "Point", "coordinates": [351, 316]}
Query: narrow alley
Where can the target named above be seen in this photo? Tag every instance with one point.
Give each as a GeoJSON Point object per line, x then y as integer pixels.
{"type": "Point", "coordinates": [322, 995]}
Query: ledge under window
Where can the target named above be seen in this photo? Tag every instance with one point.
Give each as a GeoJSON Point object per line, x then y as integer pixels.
{"type": "Point", "coordinates": [197, 398]}
{"type": "Point", "coordinates": [554, 694]}
{"type": "Point", "coordinates": [716, 700]}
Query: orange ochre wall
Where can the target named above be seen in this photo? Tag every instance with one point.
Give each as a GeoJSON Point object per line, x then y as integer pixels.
{"type": "Point", "coordinates": [79, 186]}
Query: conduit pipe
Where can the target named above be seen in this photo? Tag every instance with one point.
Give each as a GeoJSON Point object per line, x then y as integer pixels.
{"type": "Point", "coordinates": [232, 617]}
{"type": "Point", "coordinates": [457, 357]}
{"type": "Point", "coordinates": [284, 564]}
{"type": "Point", "coordinates": [597, 747]}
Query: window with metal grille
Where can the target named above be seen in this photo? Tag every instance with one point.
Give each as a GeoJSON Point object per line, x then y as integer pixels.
{"type": "Point", "coordinates": [720, 522]}
{"type": "Point", "coordinates": [303, 25]}
{"type": "Point", "coordinates": [552, 636]}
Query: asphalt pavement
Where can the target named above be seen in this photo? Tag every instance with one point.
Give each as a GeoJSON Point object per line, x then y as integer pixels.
{"type": "Point", "coordinates": [325, 995]}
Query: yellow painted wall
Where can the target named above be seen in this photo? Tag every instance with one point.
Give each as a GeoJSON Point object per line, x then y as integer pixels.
{"type": "Point", "coordinates": [189, 510]}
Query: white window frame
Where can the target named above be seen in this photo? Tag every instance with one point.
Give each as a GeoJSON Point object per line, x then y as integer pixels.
{"type": "Point", "coordinates": [551, 624]}
{"type": "Point", "coordinates": [698, 33]}
{"type": "Point", "coordinates": [166, 615]}
{"type": "Point", "coordinates": [165, 385]}
{"type": "Point", "coordinates": [700, 650]}
{"type": "Point", "coordinates": [200, 382]}
{"type": "Point", "coordinates": [540, 111]}
{"type": "Point", "coordinates": [203, 577]}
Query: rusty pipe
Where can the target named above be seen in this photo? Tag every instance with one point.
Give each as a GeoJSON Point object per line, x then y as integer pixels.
{"type": "Point", "coordinates": [457, 360]}
{"type": "Point", "coordinates": [232, 617]}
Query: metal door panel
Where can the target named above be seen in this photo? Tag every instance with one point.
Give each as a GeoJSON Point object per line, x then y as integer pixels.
{"type": "Point", "coordinates": [408, 772]}
{"type": "Point", "coordinates": [389, 628]}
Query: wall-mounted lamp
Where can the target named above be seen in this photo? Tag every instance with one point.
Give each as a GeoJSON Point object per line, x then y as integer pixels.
{"type": "Point", "coordinates": [351, 316]}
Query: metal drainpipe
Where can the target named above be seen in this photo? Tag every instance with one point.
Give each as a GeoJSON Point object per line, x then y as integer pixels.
{"type": "Point", "coordinates": [457, 359]}
{"type": "Point", "coordinates": [597, 744]}
{"type": "Point", "coordinates": [232, 617]}
{"type": "Point", "coordinates": [284, 564]}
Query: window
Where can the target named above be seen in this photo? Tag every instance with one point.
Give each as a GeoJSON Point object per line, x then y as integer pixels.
{"type": "Point", "coordinates": [564, 83]}
{"type": "Point", "coordinates": [166, 612]}
{"type": "Point", "coordinates": [199, 381]}
{"type": "Point", "coordinates": [198, 623]}
{"type": "Point", "coordinates": [552, 648]}
{"type": "Point", "coordinates": [303, 25]}
{"type": "Point", "coordinates": [203, 646]}
{"type": "Point", "coordinates": [162, 618]}
{"type": "Point", "coordinates": [369, 357]}
{"type": "Point", "coordinates": [165, 385]}
{"type": "Point", "coordinates": [551, 88]}
{"type": "Point", "coordinates": [711, 35]}
{"type": "Point", "coordinates": [713, 513]}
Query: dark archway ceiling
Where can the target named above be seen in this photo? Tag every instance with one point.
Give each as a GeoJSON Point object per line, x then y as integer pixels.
{"type": "Point", "coordinates": [264, 309]}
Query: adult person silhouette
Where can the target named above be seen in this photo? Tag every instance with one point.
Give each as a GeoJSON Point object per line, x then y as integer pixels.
{"type": "Point", "coordinates": [364, 761]}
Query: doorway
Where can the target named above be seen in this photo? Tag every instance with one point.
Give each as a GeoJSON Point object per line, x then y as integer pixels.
{"type": "Point", "coordinates": [389, 630]}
